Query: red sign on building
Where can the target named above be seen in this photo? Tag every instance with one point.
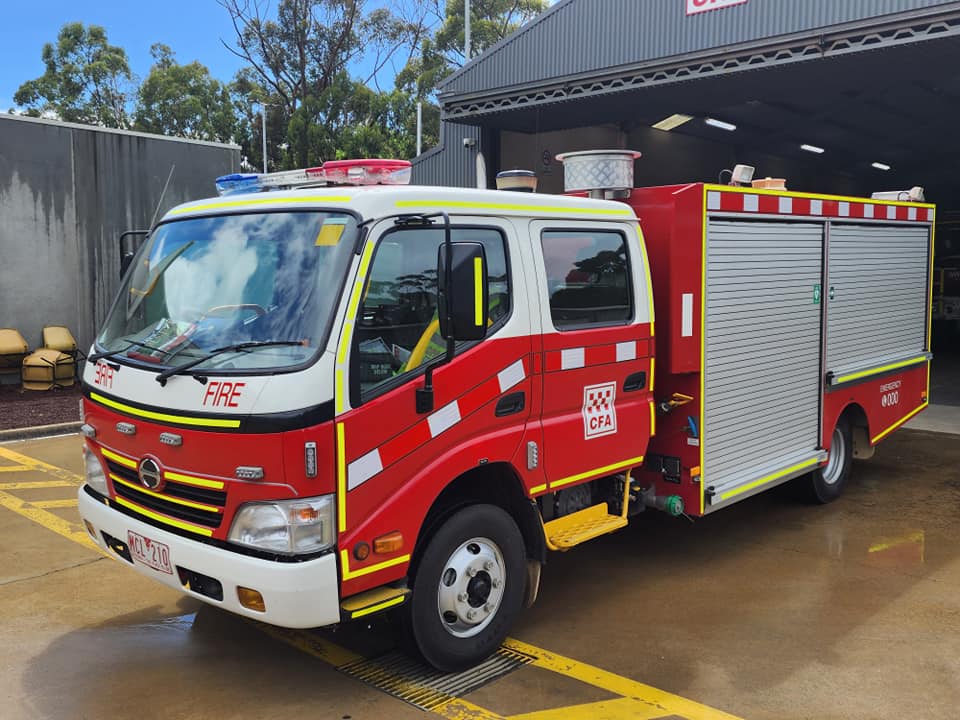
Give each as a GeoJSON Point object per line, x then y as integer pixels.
{"type": "Point", "coordinates": [698, 6]}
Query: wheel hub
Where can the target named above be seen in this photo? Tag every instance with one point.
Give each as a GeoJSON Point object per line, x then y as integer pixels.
{"type": "Point", "coordinates": [836, 458]}
{"type": "Point", "coordinates": [471, 587]}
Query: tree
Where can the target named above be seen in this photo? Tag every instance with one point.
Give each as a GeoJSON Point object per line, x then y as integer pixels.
{"type": "Point", "coordinates": [86, 80]}
{"type": "Point", "coordinates": [184, 101]}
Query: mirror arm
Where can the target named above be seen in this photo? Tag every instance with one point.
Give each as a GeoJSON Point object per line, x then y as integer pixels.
{"type": "Point", "coordinates": [424, 395]}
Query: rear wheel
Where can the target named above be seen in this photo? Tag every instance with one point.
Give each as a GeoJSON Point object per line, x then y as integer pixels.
{"type": "Point", "coordinates": [827, 482]}
{"type": "Point", "coordinates": [468, 588]}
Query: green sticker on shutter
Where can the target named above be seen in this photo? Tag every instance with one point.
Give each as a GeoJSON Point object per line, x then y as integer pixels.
{"type": "Point", "coordinates": [816, 294]}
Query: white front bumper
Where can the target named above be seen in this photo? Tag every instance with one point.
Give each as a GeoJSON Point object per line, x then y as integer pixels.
{"type": "Point", "coordinates": [296, 595]}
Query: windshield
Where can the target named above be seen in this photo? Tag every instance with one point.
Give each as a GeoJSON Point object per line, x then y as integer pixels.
{"type": "Point", "coordinates": [203, 284]}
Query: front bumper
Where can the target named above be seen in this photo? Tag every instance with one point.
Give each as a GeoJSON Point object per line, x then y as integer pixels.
{"type": "Point", "coordinates": [296, 595]}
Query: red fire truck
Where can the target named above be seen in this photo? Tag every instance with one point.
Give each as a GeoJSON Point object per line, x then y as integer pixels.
{"type": "Point", "coordinates": [326, 394]}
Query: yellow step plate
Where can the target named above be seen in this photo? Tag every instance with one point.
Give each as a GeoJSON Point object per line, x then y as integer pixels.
{"type": "Point", "coordinates": [570, 530]}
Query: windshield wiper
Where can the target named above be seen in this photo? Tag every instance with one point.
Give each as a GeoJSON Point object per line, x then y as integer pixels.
{"type": "Point", "coordinates": [110, 353]}
{"type": "Point", "coordinates": [163, 376]}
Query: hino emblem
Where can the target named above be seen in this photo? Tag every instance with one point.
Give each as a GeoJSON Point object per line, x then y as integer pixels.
{"type": "Point", "coordinates": [150, 474]}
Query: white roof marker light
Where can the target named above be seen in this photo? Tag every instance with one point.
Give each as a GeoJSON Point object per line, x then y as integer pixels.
{"type": "Point", "coordinates": [333, 172]}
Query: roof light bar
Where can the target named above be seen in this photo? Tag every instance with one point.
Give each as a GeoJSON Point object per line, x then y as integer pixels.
{"type": "Point", "coordinates": [334, 172]}
{"type": "Point", "coordinates": [812, 149]}
{"type": "Point", "coordinates": [672, 122]}
{"type": "Point", "coordinates": [880, 166]}
{"type": "Point", "coordinates": [713, 122]}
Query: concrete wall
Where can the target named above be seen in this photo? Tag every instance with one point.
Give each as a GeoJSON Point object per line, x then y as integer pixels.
{"type": "Point", "coordinates": [66, 193]}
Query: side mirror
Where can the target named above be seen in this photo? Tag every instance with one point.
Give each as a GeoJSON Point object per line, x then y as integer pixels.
{"type": "Point", "coordinates": [128, 249]}
{"type": "Point", "coordinates": [125, 261]}
{"type": "Point", "coordinates": [462, 291]}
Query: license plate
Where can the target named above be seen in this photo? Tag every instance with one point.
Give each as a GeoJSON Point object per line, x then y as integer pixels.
{"type": "Point", "coordinates": [150, 552]}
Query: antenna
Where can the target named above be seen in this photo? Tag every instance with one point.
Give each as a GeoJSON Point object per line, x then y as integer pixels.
{"type": "Point", "coordinates": [163, 192]}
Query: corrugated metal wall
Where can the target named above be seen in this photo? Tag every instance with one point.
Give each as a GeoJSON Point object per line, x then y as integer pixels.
{"type": "Point", "coordinates": [451, 163]}
{"type": "Point", "coordinates": [66, 194]}
{"type": "Point", "coordinates": [578, 37]}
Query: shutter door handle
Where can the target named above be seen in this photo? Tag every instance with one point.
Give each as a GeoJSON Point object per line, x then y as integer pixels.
{"type": "Point", "coordinates": [511, 404]}
{"type": "Point", "coordinates": [635, 382]}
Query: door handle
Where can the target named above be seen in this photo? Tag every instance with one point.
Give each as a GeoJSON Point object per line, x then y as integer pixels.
{"type": "Point", "coordinates": [635, 382]}
{"type": "Point", "coordinates": [511, 404]}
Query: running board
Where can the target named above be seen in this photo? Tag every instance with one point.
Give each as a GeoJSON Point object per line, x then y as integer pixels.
{"type": "Point", "coordinates": [571, 530]}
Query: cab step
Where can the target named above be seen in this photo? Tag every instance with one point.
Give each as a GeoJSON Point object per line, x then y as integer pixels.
{"type": "Point", "coordinates": [571, 530]}
{"type": "Point", "coordinates": [371, 601]}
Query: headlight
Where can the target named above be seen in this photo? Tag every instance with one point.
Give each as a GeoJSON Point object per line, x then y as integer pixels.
{"type": "Point", "coordinates": [93, 472]}
{"type": "Point", "coordinates": [303, 525]}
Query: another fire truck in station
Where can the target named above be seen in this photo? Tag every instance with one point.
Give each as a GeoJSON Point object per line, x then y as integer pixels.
{"type": "Point", "coordinates": [327, 394]}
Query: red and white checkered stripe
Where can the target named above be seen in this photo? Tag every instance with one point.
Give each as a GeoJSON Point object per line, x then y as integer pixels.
{"type": "Point", "coordinates": [579, 357]}
{"type": "Point", "coordinates": [763, 204]}
{"type": "Point", "coordinates": [373, 463]}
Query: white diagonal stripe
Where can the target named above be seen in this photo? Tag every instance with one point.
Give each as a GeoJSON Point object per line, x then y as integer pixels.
{"type": "Point", "coordinates": [571, 358]}
{"type": "Point", "coordinates": [626, 351]}
{"type": "Point", "coordinates": [444, 419]}
{"type": "Point", "coordinates": [363, 468]}
{"type": "Point", "coordinates": [511, 376]}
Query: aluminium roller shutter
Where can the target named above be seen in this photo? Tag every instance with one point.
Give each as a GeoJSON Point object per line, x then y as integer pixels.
{"type": "Point", "coordinates": [762, 352]}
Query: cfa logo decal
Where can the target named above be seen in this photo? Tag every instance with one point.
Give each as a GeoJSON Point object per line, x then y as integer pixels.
{"type": "Point", "coordinates": [599, 412]}
{"type": "Point", "coordinates": [699, 6]}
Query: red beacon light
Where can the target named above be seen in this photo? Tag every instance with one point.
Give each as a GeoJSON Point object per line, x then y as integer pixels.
{"type": "Point", "coordinates": [333, 172]}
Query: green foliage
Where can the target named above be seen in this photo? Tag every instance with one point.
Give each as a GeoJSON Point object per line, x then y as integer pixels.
{"type": "Point", "coordinates": [184, 101]}
{"type": "Point", "coordinates": [86, 79]}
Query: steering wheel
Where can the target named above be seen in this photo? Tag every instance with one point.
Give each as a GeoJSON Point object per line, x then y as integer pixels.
{"type": "Point", "coordinates": [221, 309]}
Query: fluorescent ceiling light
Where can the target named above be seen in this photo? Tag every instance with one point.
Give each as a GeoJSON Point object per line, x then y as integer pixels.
{"type": "Point", "coordinates": [812, 148]}
{"type": "Point", "coordinates": [730, 127]}
{"type": "Point", "coordinates": [674, 121]}
{"type": "Point", "coordinates": [880, 166]}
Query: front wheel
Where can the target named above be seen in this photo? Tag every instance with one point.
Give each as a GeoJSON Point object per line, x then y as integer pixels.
{"type": "Point", "coordinates": [468, 588]}
{"type": "Point", "coordinates": [827, 482]}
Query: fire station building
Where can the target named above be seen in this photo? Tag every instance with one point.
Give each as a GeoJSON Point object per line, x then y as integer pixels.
{"type": "Point", "coordinates": [847, 98]}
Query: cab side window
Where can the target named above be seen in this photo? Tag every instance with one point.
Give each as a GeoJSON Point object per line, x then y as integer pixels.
{"type": "Point", "coordinates": [588, 278]}
{"type": "Point", "coordinates": [398, 328]}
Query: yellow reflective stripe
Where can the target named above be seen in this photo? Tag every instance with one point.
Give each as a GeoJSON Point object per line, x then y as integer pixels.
{"type": "Point", "coordinates": [346, 336]}
{"type": "Point", "coordinates": [341, 478]}
{"type": "Point", "coordinates": [478, 291]}
{"type": "Point", "coordinates": [878, 370]}
{"type": "Point", "coordinates": [897, 424]}
{"type": "Point", "coordinates": [119, 459]}
{"type": "Point", "coordinates": [258, 201]}
{"type": "Point", "coordinates": [349, 574]}
{"type": "Point", "coordinates": [703, 336]}
{"type": "Point", "coordinates": [538, 489]}
{"type": "Point", "coordinates": [164, 417]}
{"type": "Point", "coordinates": [206, 532]}
{"type": "Point", "coordinates": [653, 419]}
{"type": "Point", "coordinates": [815, 196]}
{"type": "Point", "coordinates": [649, 280]}
{"type": "Point", "coordinates": [168, 498]}
{"type": "Point", "coordinates": [532, 209]}
{"type": "Point", "coordinates": [191, 480]}
{"type": "Point", "coordinates": [653, 367]}
{"type": "Point", "coordinates": [379, 606]}
{"type": "Point", "coordinates": [598, 471]}
{"type": "Point", "coordinates": [768, 478]}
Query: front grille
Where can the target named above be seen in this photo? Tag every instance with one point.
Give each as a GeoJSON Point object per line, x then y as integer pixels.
{"type": "Point", "coordinates": [181, 491]}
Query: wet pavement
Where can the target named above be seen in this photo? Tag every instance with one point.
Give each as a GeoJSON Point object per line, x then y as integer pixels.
{"type": "Point", "coordinates": [769, 609]}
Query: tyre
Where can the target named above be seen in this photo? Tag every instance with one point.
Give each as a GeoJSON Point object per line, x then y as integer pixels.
{"type": "Point", "coordinates": [467, 590]}
{"type": "Point", "coordinates": [827, 482]}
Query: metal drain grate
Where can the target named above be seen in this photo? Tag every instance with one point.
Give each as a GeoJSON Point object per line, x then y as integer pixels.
{"type": "Point", "coordinates": [406, 679]}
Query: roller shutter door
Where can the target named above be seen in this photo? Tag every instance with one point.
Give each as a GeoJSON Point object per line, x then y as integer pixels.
{"type": "Point", "coordinates": [878, 282]}
{"type": "Point", "coordinates": [763, 337]}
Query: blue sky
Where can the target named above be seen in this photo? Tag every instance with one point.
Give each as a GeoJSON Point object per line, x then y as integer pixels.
{"type": "Point", "coordinates": [193, 28]}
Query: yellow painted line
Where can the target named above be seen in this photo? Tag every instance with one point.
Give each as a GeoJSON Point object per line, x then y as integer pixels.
{"type": "Point", "coordinates": [191, 480]}
{"type": "Point", "coordinates": [815, 196]}
{"type": "Point", "coordinates": [916, 537]}
{"type": "Point", "coordinates": [597, 471]}
{"type": "Point", "coordinates": [769, 478]}
{"type": "Point", "coordinates": [538, 489]}
{"type": "Point", "coordinates": [36, 485]}
{"type": "Point", "coordinates": [51, 504]}
{"type": "Point", "coordinates": [119, 459]}
{"type": "Point", "coordinates": [377, 608]}
{"type": "Point", "coordinates": [258, 201]}
{"type": "Point", "coordinates": [349, 574]}
{"type": "Point", "coordinates": [466, 205]}
{"type": "Point", "coordinates": [671, 704]}
{"type": "Point", "coordinates": [341, 479]}
{"type": "Point", "coordinates": [15, 468]}
{"type": "Point", "coordinates": [618, 709]}
{"type": "Point", "coordinates": [206, 532]}
{"type": "Point", "coordinates": [41, 466]}
{"type": "Point", "coordinates": [65, 528]}
{"type": "Point", "coordinates": [164, 417]}
{"type": "Point", "coordinates": [168, 498]}
{"type": "Point", "coordinates": [874, 440]}
{"type": "Point", "coordinates": [879, 370]}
